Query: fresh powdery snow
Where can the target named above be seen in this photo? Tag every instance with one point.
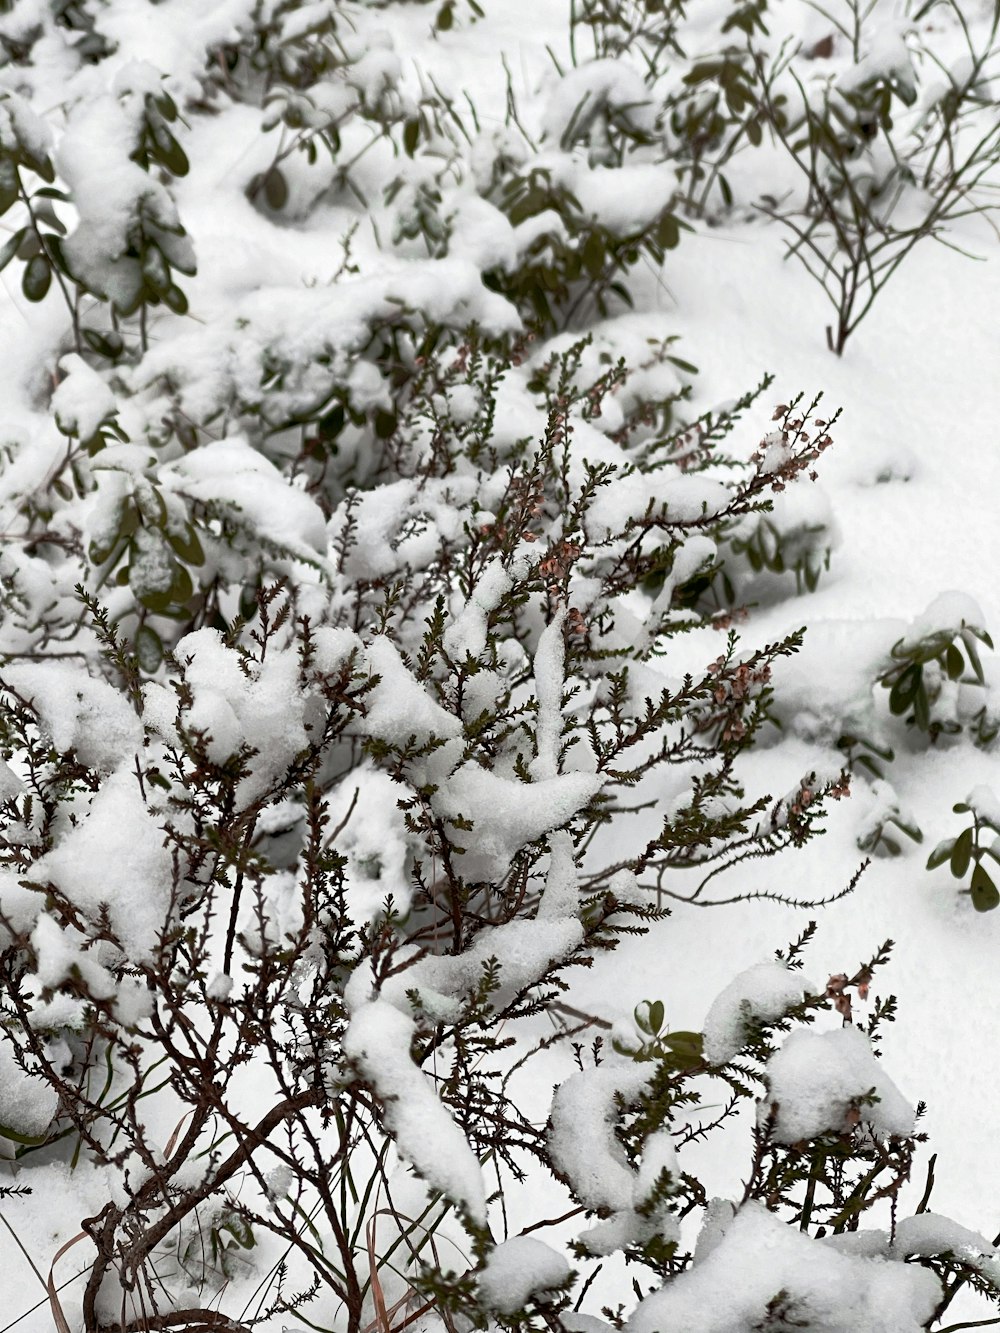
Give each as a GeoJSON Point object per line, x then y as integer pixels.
{"type": "Point", "coordinates": [759, 1258]}
{"type": "Point", "coordinates": [81, 713]}
{"type": "Point", "coordinates": [116, 849]}
{"type": "Point", "coordinates": [378, 1040]}
{"type": "Point", "coordinates": [762, 993]}
{"type": "Point", "coordinates": [824, 1082]}
{"type": "Point", "coordinates": [518, 1269]}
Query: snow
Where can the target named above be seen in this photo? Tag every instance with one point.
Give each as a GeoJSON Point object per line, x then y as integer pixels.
{"type": "Point", "coordinates": [27, 1104]}
{"type": "Point", "coordinates": [399, 710]}
{"type": "Point", "coordinates": [524, 950]}
{"type": "Point", "coordinates": [378, 1041]}
{"type": "Point", "coordinates": [507, 814]}
{"type": "Point", "coordinates": [466, 632]}
{"type": "Point", "coordinates": [264, 709]}
{"type": "Point", "coordinates": [593, 87]}
{"type": "Point", "coordinates": [582, 1140]}
{"type": "Point", "coordinates": [815, 1080]}
{"type": "Point", "coordinates": [10, 784]}
{"type": "Point", "coordinates": [78, 712]}
{"type": "Point", "coordinates": [115, 857]}
{"type": "Point", "coordinates": [760, 1259]}
{"type": "Point", "coordinates": [83, 400]}
{"type": "Point", "coordinates": [658, 1155]}
{"type": "Point", "coordinates": [761, 994]}
{"type": "Point", "coordinates": [927, 1235]}
{"type": "Point", "coordinates": [231, 474]}
{"type": "Point", "coordinates": [516, 1270]}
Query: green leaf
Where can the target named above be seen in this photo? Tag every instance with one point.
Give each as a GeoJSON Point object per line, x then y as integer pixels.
{"type": "Point", "coordinates": [656, 1015]}
{"type": "Point", "coordinates": [148, 649]}
{"type": "Point", "coordinates": [385, 423]}
{"type": "Point", "coordinates": [187, 545]}
{"type": "Point", "coordinates": [37, 278]}
{"type": "Point", "coordinates": [275, 189]}
{"type": "Point", "coordinates": [57, 254]}
{"type": "Point", "coordinates": [331, 423]}
{"type": "Point", "coordinates": [9, 192]}
{"type": "Point", "coordinates": [411, 135]}
{"type": "Point", "coordinates": [41, 166]}
{"type": "Point", "coordinates": [166, 106]}
{"type": "Point", "coordinates": [175, 299]}
{"type": "Point", "coordinates": [754, 132]}
{"type": "Point", "coordinates": [953, 662]}
{"type": "Point", "coordinates": [104, 344]}
{"type": "Point", "coordinates": [690, 1044]}
{"type": "Point", "coordinates": [668, 232]}
{"type": "Point", "coordinates": [11, 246]}
{"type": "Point", "coordinates": [593, 254]}
{"type": "Point", "coordinates": [155, 268]}
{"type": "Point", "coordinates": [961, 854]}
{"type": "Point", "coordinates": [985, 896]}
{"type": "Point", "coordinates": [182, 589]}
{"type": "Point", "coordinates": [17, 1136]}
{"type": "Point", "coordinates": [169, 153]}
{"type": "Point", "coordinates": [904, 691]}
{"type": "Point", "coordinates": [446, 17]}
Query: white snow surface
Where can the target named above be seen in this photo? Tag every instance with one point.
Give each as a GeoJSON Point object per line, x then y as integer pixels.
{"type": "Point", "coordinates": [759, 1257]}
{"type": "Point", "coordinates": [518, 1268]}
{"type": "Point", "coordinates": [763, 992]}
{"type": "Point", "coordinates": [816, 1076]}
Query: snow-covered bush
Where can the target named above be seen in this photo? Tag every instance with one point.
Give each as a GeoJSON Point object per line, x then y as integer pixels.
{"type": "Point", "coordinates": [890, 144]}
{"type": "Point", "coordinates": [340, 721]}
{"type": "Point", "coordinates": [341, 840]}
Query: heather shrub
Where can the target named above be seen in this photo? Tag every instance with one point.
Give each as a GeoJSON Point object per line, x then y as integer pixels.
{"type": "Point", "coordinates": [342, 585]}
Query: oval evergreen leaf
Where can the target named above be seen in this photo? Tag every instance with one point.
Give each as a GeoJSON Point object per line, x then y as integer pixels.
{"type": "Point", "coordinates": [961, 854]}
{"type": "Point", "coordinates": [37, 278]}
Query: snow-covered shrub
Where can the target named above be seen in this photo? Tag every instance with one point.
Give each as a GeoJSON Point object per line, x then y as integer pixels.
{"type": "Point", "coordinates": [833, 1144]}
{"type": "Point", "coordinates": [341, 843]}
{"type": "Point", "coordinates": [890, 145]}
{"type": "Point", "coordinates": [282, 906]}
{"type": "Point", "coordinates": [929, 669]}
{"type": "Point", "coordinates": [340, 714]}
